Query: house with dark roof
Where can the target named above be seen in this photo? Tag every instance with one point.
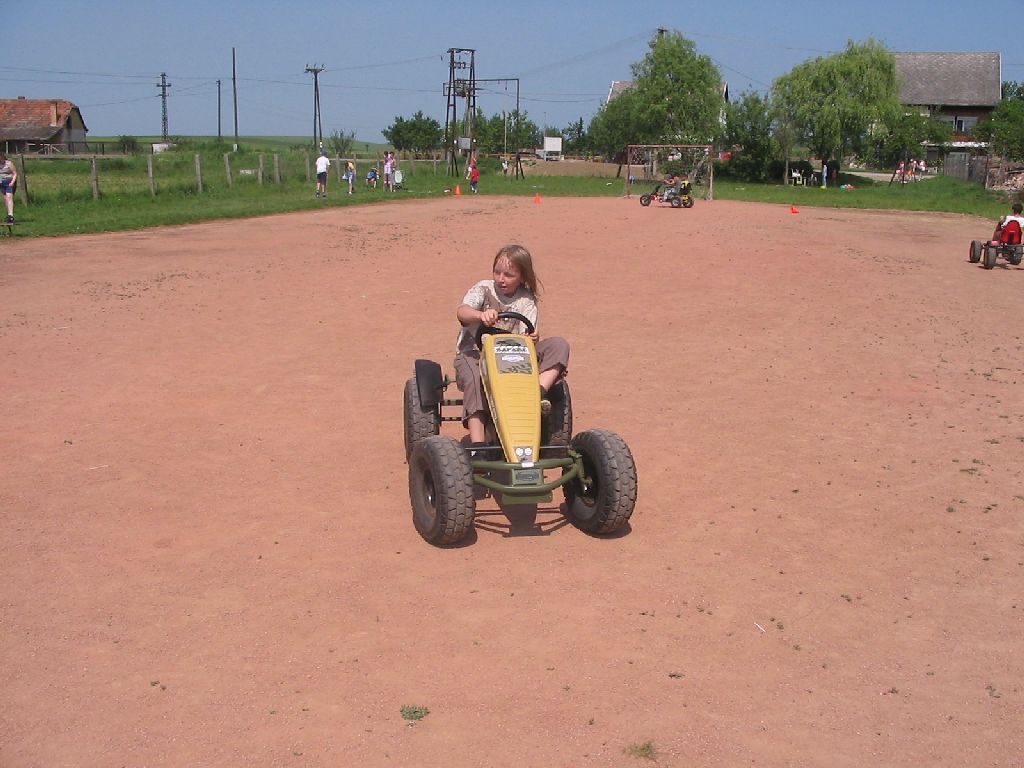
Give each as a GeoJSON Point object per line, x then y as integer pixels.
{"type": "Point", "coordinates": [959, 88]}
{"type": "Point", "coordinates": [41, 125]}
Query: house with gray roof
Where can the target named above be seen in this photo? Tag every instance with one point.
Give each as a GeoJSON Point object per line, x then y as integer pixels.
{"type": "Point", "coordinates": [959, 88]}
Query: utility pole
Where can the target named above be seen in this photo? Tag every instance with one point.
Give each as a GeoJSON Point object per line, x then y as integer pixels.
{"type": "Point", "coordinates": [163, 85]}
{"type": "Point", "coordinates": [459, 86]}
{"type": "Point", "coordinates": [219, 137]}
{"type": "Point", "coordinates": [318, 128]}
{"type": "Point", "coordinates": [234, 91]}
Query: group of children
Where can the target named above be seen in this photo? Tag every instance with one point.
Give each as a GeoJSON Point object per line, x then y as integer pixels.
{"type": "Point", "coordinates": [323, 163]}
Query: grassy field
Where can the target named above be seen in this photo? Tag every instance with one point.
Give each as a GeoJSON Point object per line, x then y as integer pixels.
{"type": "Point", "coordinates": [62, 199]}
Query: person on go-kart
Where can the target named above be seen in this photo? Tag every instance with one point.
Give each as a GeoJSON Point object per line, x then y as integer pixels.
{"type": "Point", "coordinates": [1000, 236]}
{"type": "Point", "coordinates": [513, 288]}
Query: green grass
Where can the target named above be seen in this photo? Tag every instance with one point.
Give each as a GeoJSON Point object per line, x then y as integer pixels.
{"type": "Point", "coordinates": [62, 201]}
{"type": "Point", "coordinates": [414, 713]}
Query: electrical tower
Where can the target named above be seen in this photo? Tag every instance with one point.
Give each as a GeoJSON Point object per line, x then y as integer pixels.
{"type": "Point", "coordinates": [318, 128]}
{"type": "Point", "coordinates": [163, 85]}
{"type": "Point", "coordinates": [461, 85]}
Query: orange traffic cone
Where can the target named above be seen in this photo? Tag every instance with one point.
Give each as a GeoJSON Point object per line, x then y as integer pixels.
{"type": "Point", "coordinates": [536, 198]}
{"type": "Point", "coordinates": [458, 190]}
{"type": "Point", "coordinates": [794, 209]}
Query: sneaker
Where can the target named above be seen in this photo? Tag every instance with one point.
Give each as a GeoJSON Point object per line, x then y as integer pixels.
{"type": "Point", "coordinates": [317, 195]}
{"type": "Point", "coordinates": [9, 220]}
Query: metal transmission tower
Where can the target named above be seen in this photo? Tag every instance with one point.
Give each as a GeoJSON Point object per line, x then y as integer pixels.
{"type": "Point", "coordinates": [163, 85]}
{"type": "Point", "coordinates": [461, 85]}
{"type": "Point", "coordinates": [318, 128]}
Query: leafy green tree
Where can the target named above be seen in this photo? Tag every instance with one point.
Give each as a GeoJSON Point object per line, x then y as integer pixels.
{"type": "Point", "coordinates": [1004, 129]}
{"type": "Point", "coordinates": [681, 91]}
{"type": "Point", "coordinates": [417, 134]}
{"type": "Point", "coordinates": [619, 123]}
{"type": "Point", "coordinates": [575, 139]}
{"type": "Point", "coordinates": [523, 133]}
{"type": "Point", "coordinates": [749, 131]}
{"type": "Point", "coordinates": [836, 101]}
{"type": "Point", "coordinates": [908, 133]}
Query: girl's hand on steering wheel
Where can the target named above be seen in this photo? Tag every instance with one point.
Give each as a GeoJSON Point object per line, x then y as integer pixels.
{"type": "Point", "coordinates": [489, 316]}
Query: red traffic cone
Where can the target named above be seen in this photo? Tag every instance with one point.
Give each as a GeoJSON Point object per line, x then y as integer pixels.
{"type": "Point", "coordinates": [536, 198]}
{"type": "Point", "coordinates": [458, 190]}
{"type": "Point", "coordinates": [794, 209]}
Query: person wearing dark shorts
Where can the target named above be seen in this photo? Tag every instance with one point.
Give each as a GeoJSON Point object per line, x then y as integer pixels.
{"type": "Point", "coordinates": [322, 164]}
{"type": "Point", "coordinates": [8, 185]}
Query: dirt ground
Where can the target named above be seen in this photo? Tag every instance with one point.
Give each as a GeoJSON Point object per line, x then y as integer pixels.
{"type": "Point", "coordinates": [207, 553]}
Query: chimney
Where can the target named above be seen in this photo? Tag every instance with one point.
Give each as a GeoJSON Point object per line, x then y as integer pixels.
{"type": "Point", "coordinates": [53, 113]}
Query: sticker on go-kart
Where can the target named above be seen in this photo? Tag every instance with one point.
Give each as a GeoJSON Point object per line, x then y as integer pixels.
{"type": "Point", "coordinates": [514, 364]}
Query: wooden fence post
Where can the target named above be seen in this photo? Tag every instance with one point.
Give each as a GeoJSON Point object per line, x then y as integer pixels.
{"type": "Point", "coordinates": [149, 173]}
{"type": "Point", "coordinates": [337, 168]}
{"type": "Point", "coordinates": [305, 155]}
{"type": "Point", "coordinates": [227, 167]}
{"type": "Point", "coordinates": [277, 168]}
{"type": "Point", "coordinates": [259, 172]}
{"type": "Point", "coordinates": [94, 176]}
{"type": "Point", "coordinates": [22, 181]}
{"type": "Point", "coordinates": [199, 175]}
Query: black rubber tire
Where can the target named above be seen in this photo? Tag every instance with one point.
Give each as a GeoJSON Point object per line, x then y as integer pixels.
{"type": "Point", "coordinates": [1016, 256]}
{"type": "Point", "coordinates": [676, 202]}
{"type": "Point", "coordinates": [976, 249]}
{"type": "Point", "coordinates": [645, 200]}
{"type": "Point", "coordinates": [441, 490]}
{"type": "Point", "coordinates": [419, 422]}
{"type": "Point", "coordinates": [688, 203]}
{"type": "Point", "coordinates": [556, 429]}
{"type": "Point", "coordinates": [991, 254]}
{"type": "Point", "coordinates": [608, 503]}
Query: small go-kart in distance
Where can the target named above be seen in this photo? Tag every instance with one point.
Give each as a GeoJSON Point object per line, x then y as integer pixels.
{"type": "Point", "coordinates": [597, 471]}
{"type": "Point", "coordinates": [677, 197]}
{"type": "Point", "coordinates": [1008, 245]}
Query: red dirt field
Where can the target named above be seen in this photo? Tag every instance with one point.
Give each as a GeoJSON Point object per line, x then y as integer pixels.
{"type": "Point", "coordinates": [207, 552]}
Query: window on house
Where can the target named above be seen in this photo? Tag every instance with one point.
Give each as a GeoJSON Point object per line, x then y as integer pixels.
{"type": "Point", "coordinates": [966, 124]}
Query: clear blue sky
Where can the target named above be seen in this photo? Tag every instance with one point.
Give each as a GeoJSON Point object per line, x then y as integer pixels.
{"type": "Point", "coordinates": [388, 58]}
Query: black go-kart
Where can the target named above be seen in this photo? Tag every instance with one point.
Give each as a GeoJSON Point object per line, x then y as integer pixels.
{"type": "Point", "coordinates": [676, 197]}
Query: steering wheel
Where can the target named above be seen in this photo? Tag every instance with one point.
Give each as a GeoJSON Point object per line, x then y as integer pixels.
{"type": "Point", "coordinates": [483, 330]}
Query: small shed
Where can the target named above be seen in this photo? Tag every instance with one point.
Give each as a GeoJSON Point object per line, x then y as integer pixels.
{"type": "Point", "coordinates": [41, 126]}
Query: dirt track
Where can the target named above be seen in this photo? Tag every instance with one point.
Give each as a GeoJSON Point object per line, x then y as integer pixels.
{"type": "Point", "coordinates": [207, 554]}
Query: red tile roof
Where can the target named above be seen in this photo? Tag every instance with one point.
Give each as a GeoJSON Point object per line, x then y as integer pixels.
{"type": "Point", "coordinates": [34, 119]}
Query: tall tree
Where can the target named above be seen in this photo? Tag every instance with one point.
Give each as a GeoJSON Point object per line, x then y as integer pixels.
{"type": "Point", "coordinates": [836, 101]}
{"type": "Point", "coordinates": [749, 131]}
{"type": "Point", "coordinates": [681, 90]}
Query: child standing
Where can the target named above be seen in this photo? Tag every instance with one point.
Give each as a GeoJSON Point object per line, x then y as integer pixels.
{"type": "Point", "coordinates": [8, 184]}
{"type": "Point", "coordinates": [322, 164]}
{"type": "Point", "coordinates": [514, 287]}
{"type": "Point", "coordinates": [474, 179]}
{"type": "Point", "coordinates": [350, 175]}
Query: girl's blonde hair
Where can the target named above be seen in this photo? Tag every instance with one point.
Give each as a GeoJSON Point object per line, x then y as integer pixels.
{"type": "Point", "coordinates": [521, 258]}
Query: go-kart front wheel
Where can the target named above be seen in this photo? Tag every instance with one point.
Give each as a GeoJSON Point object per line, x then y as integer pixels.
{"type": "Point", "coordinates": [441, 490]}
{"type": "Point", "coordinates": [676, 202]}
{"type": "Point", "coordinates": [604, 501]}
{"type": "Point", "coordinates": [688, 202]}
{"type": "Point", "coordinates": [418, 420]}
{"type": "Point", "coordinates": [976, 248]}
{"type": "Point", "coordinates": [645, 200]}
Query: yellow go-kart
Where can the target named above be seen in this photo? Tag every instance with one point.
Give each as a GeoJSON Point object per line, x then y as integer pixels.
{"type": "Point", "coordinates": [523, 452]}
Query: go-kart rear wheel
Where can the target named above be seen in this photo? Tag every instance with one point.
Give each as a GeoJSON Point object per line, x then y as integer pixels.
{"type": "Point", "coordinates": [676, 202]}
{"type": "Point", "coordinates": [606, 503]}
{"type": "Point", "coordinates": [645, 200]}
{"type": "Point", "coordinates": [688, 202]}
{"type": "Point", "coordinates": [991, 254]}
{"type": "Point", "coordinates": [976, 249]}
{"type": "Point", "coordinates": [1016, 255]}
{"type": "Point", "coordinates": [556, 429]}
{"type": "Point", "coordinates": [441, 490]}
{"type": "Point", "coordinates": [419, 421]}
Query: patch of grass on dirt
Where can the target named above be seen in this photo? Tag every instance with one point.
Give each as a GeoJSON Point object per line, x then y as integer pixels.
{"type": "Point", "coordinates": [646, 750]}
{"type": "Point", "coordinates": [413, 713]}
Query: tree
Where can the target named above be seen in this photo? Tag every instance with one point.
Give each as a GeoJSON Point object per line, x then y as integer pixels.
{"type": "Point", "coordinates": [340, 143]}
{"type": "Point", "coordinates": [577, 142]}
{"type": "Point", "coordinates": [837, 101]}
{"type": "Point", "coordinates": [417, 134]}
{"type": "Point", "coordinates": [1012, 90]}
{"type": "Point", "coordinates": [681, 92]}
{"type": "Point", "coordinates": [619, 123]}
{"type": "Point", "coordinates": [908, 133]}
{"type": "Point", "coordinates": [1004, 129]}
{"type": "Point", "coordinates": [749, 130]}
